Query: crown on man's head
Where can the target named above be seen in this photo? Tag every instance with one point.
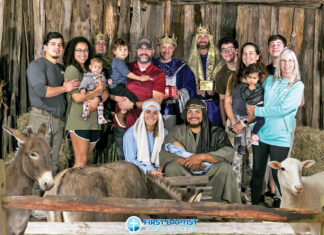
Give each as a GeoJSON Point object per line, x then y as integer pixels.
{"type": "Point", "coordinates": [203, 29]}
{"type": "Point", "coordinates": [100, 36]}
{"type": "Point", "coordinates": [167, 38]}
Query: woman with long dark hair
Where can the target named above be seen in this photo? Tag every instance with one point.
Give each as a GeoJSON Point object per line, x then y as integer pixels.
{"type": "Point", "coordinates": [235, 108]}
{"type": "Point", "coordinates": [84, 134]}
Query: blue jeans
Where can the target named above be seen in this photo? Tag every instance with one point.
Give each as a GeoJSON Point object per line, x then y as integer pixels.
{"type": "Point", "coordinates": [119, 134]}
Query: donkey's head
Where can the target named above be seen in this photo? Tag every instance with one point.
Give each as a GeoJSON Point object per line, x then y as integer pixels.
{"type": "Point", "coordinates": [34, 155]}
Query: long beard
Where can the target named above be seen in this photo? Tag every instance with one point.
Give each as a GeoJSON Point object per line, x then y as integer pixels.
{"type": "Point", "coordinates": [203, 46]}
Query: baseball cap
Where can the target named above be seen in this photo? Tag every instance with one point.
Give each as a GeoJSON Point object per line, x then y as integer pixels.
{"type": "Point", "coordinates": [145, 41]}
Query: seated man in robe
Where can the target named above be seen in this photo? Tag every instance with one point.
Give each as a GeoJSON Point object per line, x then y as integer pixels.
{"type": "Point", "coordinates": [212, 152]}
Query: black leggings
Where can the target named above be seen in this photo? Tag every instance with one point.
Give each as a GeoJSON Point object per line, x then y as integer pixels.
{"type": "Point", "coordinates": [260, 157]}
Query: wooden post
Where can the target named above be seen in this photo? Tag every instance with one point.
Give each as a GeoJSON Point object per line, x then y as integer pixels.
{"type": "Point", "coordinates": [167, 10]}
{"type": "Point", "coordinates": [3, 218]}
{"type": "Point", "coordinates": [322, 224]}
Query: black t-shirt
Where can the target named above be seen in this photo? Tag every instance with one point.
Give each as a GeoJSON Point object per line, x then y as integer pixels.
{"type": "Point", "coordinates": [271, 69]}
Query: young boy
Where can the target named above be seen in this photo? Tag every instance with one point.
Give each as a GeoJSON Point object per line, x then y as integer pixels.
{"type": "Point", "coordinates": [119, 75]}
{"type": "Point", "coordinates": [252, 93]}
{"type": "Point", "coordinates": [90, 82]}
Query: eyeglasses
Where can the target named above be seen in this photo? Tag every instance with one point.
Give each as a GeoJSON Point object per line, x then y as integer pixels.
{"type": "Point", "coordinates": [228, 49]}
{"type": "Point", "coordinates": [80, 51]}
{"type": "Point", "coordinates": [101, 44]}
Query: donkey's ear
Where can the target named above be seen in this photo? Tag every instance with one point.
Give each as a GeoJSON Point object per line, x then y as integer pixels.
{"type": "Point", "coordinates": [20, 136]}
{"type": "Point", "coordinates": [42, 129]}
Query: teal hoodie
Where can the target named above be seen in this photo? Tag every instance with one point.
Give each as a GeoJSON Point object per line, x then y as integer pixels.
{"type": "Point", "coordinates": [280, 106]}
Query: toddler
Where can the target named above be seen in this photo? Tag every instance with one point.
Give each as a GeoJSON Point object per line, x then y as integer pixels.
{"type": "Point", "coordinates": [119, 75]}
{"type": "Point", "coordinates": [90, 82]}
{"type": "Point", "coordinates": [252, 93]}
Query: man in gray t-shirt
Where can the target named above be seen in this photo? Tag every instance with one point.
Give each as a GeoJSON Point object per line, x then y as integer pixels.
{"type": "Point", "coordinates": [46, 88]}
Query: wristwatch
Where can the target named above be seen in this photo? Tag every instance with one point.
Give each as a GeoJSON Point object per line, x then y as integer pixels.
{"type": "Point", "coordinates": [244, 123]}
{"type": "Point", "coordinates": [134, 105]}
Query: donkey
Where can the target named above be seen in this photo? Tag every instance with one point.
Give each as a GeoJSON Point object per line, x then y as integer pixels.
{"type": "Point", "coordinates": [31, 163]}
{"type": "Point", "coordinates": [119, 179]}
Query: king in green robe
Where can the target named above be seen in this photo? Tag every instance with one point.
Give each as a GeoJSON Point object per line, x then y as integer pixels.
{"type": "Point", "coordinates": [208, 144]}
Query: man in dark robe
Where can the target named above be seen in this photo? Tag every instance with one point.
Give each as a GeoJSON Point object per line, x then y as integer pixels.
{"type": "Point", "coordinates": [209, 145]}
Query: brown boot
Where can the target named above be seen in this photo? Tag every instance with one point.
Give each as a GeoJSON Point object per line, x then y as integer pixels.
{"type": "Point", "coordinates": [120, 118]}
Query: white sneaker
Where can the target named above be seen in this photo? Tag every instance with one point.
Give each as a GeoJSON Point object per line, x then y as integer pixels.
{"type": "Point", "coordinates": [38, 214]}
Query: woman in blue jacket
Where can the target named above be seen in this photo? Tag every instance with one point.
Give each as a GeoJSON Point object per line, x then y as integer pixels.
{"type": "Point", "coordinates": [282, 96]}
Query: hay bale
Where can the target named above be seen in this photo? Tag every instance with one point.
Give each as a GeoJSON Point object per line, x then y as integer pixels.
{"type": "Point", "coordinates": [65, 155]}
{"type": "Point", "coordinates": [22, 121]}
{"type": "Point", "coordinates": [309, 144]}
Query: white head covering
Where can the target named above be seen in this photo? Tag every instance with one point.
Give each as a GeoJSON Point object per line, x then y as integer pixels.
{"type": "Point", "coordinates": [140, 134]}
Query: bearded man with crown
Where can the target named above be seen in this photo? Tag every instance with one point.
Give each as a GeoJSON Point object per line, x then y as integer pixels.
{"type": "Point", "coordinates": [180, 82]}
{"type": "Point", "coordinates": [205, 62]}
{"type": "Point", "coordinates": [100, 43]}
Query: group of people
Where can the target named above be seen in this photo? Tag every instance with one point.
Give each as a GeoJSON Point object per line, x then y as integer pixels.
{"type": "Point", "coordinates": [170, 116]}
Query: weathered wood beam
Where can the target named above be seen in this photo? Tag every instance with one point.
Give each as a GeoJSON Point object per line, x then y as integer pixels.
{"type": "Point", "coordinates": [3, 217]}
{"type": "Point", "coordinates": [167, 11]}
{"type": "Point", "coordinates": [162, 207]}
{"type": "Point", "coordinates": [289, 3]}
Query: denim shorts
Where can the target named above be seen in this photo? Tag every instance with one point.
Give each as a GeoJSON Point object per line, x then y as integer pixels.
{"type": "Point", "coordinates": [93, 136]}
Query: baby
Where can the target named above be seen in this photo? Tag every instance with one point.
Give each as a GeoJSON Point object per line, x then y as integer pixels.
{"type": "Point", "coordinates": [90, 82]}
{"type": "Point", "coordinates": [119, 75]}
{"type": "Point", "coordinates": [252, 93]}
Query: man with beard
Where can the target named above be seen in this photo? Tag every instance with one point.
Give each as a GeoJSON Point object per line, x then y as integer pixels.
{"type": "Point", "coordinates": [177, 75]}
{"type": "Point", "coordinates": [204, 61]}
{"type": "Point", "coordinates": [229, 49]}
{"type": "Point", "coordinates": [46, 90]}
{"type": "Point", "coordinates": [152, 89]}
{"type": "Point", "coordinates": [199, 147]}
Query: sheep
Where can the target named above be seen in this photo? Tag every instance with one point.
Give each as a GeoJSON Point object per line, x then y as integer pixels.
{"type": "Point", "coordinates": [301, 192]}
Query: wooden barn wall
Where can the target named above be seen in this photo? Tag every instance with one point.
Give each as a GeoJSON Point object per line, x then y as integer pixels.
{"type": "Point", "coordinates": [23, 25]}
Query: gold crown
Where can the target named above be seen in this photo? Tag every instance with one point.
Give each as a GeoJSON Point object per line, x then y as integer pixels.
{"type": "Point", "coordinates": [167, 38]}
{"type": "Point", "coordinates": [203, 29]}
{"type": "Point", "coordinates": [100, 36]}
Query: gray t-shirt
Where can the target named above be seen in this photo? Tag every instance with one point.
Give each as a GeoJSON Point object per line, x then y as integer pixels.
{"type": "Point", "coordinates": [119, 72]}
{"type": "Point", "coordinates": [40, 74]}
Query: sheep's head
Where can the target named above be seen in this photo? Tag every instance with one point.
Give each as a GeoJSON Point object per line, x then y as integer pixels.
{"type": "Point", "coordinates": [289, 173]}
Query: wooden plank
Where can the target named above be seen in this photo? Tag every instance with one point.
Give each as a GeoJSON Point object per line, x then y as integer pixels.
{"type": "Point", "coordinates": [315, 122]}
{"type": "Point", "coordinates": [53, 15]}
{"type": "Point", "coordinates": [161, 207]}
{"type": "Point", "coordinates": [177, 28]}
{"type": "Point", "coordinates": [3, 217]}
{"type": "Point", "coordinates": [274, 20]}
{"type": "Point", "coordinates": [227, 21]}
{"type": "Point", "coordinates": [2, 4]}
{"type": "Point", "coordinates": [110, 20]}
{"type": "Point", "coordinates": [120, 228]}
{"type": "Point", "coordinates": [124, 20]}
{"type": "Point", "coordinates": [321, 48]}
{"type": "Point", "coordinates": [80, 20]}
{"type": "Point", "coordinates": [167, 14]}
{"type": "Point", "coordinates": [298, 31]}
{"type": "Point", "coordinates": [263, 31]}
{"type": "Point", "coordinates": [67, 18]}
{"type": "Point", "coordinates": [187, 180]}
{"type": "Point", "coordinates": [285, 22]}
{"type": "Point", "coordinates": [242, 24]}
{"type": "Point", "coordinates": [300, 3]}
{"type": "Point", "coordinates": [306, 63]}
{"type": "Point", "coordinates": [135, 29]}
{"type": "Point", "coordinates": [96, 16]}
{"type": "Point", "coordinates": [39, 26]}
{"type": "Point", "coordinates": [253, 24]}
{"type": "Point", "coordinates": [188, 29]}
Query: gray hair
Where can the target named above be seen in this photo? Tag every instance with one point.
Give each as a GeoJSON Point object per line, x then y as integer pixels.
{"type": "Point", "coordinates": [295, 76]}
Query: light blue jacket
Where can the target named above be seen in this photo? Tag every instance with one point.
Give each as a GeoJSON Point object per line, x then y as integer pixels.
{"type": "Point", "coordinates": [280, 106]}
